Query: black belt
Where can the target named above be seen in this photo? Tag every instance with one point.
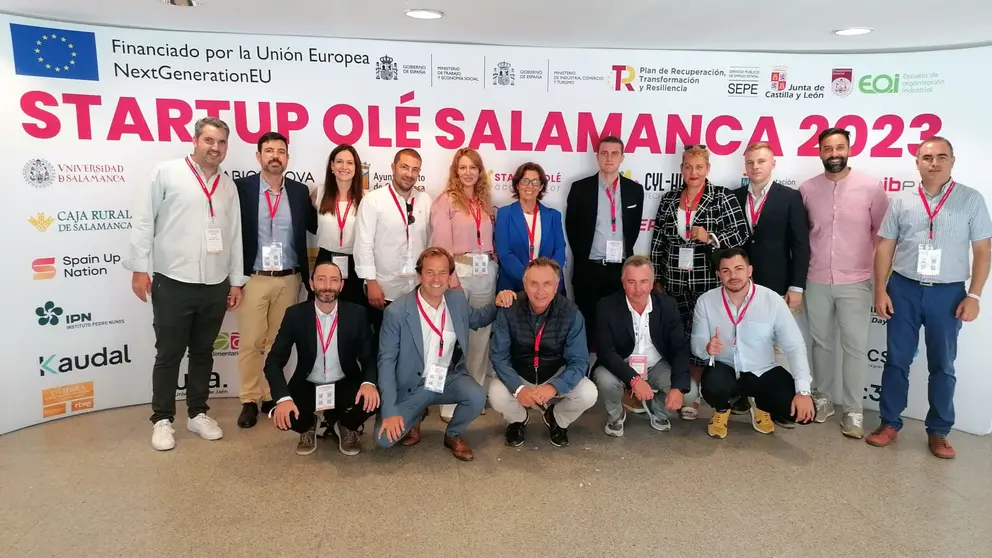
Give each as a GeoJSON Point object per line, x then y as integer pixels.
{"type": "Point", "coordinates": [280, 273]}
{"type": "Point", "coordinates": [604, 262]}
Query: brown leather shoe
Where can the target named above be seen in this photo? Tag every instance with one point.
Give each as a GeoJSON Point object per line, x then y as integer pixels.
{"type": "Point", "coordinates": [882, 436]}
{"type": "Point", "coordinates": [939, 446]}
{"type": "Point", "coordinates": [459, 447]}
{"type": "Point", "coordinates": [412, 437]}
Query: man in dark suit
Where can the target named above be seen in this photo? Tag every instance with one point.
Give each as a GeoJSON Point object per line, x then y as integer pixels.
{"type": "Point", "coordinates": [779, 242]}
{"type": "Point", "coordinates": [275, 212]}
{"type": "Point", "coordinates": [643, 348]}
{"type": "Point", "coordinates": [602, 221]}
{"type": "Point", "coordinates": [335, 367]}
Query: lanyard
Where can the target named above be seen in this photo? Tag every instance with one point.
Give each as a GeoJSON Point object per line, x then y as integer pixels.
{"type": "Point", "coordinates": [537, 345]}
{"type": "Point", "coordinates": [612, 196]}
{"type": "Point", "coordinates": [209, 194]}
{"type": "Point", "coordinates": [755, 213]}
{"type": "Point", "coordinates": [403, 215]}
{"type": "Point", "coordinates": [273, 209]}
{"type": "Point", "coordinates": [689, 208]}
{"type": "Point", "coordinates": [476, 210]}
{"type": "Point", "coordinates": [726, 306]}
{"type": "Point", "coordinates": [326, 343]}
{"type": "Point", "coordinates": [444, 315]}
{"type": "Point", "coordinates": [926, 205]}
{"type": "Point", "coordinates": [341, 222]}
{"type": "Point", "coordinates": [640, 330]}
{"type": "Point", "coordinates": [532, 231]}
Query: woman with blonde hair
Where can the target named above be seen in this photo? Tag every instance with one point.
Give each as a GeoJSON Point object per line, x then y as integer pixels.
{"type": "Point", "coordinates": [462, 224]}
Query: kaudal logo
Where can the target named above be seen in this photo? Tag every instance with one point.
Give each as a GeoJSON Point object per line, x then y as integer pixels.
{"type": "Point", "coordinates": [503, 74]}
{"type": "Point", "coordinates": [386, 69]}
{"type": "Point", "coordinates": [39, 173]}
{"type": "Point", "coordinates": [53, 364]}
{"type": "Point", "coordinates": [73, 220]}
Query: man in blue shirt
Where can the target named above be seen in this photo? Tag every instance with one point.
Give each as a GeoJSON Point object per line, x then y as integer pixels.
{"type": "Point", "coordinates": [540, 356]}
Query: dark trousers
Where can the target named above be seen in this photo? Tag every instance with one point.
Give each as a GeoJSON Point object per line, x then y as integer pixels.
{"type": "Point", "coordinates": [933, 308]}
{"type": "Point", "coordinates": [773, 391]}
{"type": "Point", "coordinates": [352, 416]}
{"type": "Point", "coordinates": [591, 281]}
{"type": "Point", "coordinates": [185, 316]}
{"type": "Point", "coordinates": [375, 320]}
{"type": "Point", "coordinates": [353, 290]}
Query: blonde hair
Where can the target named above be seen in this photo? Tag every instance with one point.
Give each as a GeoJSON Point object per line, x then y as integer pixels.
{"type": "Point", "coordinates": [456, 191]}
{"type": "Point", "coordinates": [756, 146]}
{"type": "Point", "coordinates": [696, 151]}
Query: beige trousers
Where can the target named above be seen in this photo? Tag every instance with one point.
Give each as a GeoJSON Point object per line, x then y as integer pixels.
{"type": "Point", "coordinates": [264, 301]}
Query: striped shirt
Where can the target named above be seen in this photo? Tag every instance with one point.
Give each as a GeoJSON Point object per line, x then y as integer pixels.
{"type": "Point", "coordinates": [962, 219]}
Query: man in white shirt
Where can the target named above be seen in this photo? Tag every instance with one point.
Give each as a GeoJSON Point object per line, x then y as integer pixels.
{"type": "Point", "coordinates": [390, 233]}
{"type": "Point", "coordinates": [642, 347]}
{"type": "Point", "coordinates": [335, 376]}
{"type": "Point", "coordinates": [187, 232]}
{"type": "Point", "coordinates": [753, 320]}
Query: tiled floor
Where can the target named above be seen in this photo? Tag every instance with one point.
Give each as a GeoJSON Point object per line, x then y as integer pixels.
{"type": "Point", "coordinates": [93, 486]}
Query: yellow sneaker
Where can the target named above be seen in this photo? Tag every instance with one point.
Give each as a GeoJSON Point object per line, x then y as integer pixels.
{"type": "Point", "coordinates": [760, 420]}
{"type": "Point", "coordinates": [717, 427]}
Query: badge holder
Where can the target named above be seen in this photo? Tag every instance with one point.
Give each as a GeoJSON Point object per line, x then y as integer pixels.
{"type": "Point", "coordinates": [480, 265]}
{"type": "Point", "coordinates": [408, 268]}
{"type": "Point", "coordinates": [215, 240]}
{"type": "Point", "coordinates": [686, 256]}
{"type": "Point", "coordinates": [325, 398]}
{"type": "Point", "coordinates": [640, 365]}
{"type": "Point", "coordinates": [928, 261]}
{"type": "Point", "coordinates": [614, 251]}
{"type": "Point", "coordinates": [435, 378]}
{"type": "Point", "coordinates": [272, 257]}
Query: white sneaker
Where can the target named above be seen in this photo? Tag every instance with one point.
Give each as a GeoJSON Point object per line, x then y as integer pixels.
{"type": "Point", "coordinates": [206, 427]}
{"type": "Point", "coordinates": [615, 428]}
{"type": "Point", "coordinates": [162, 436]}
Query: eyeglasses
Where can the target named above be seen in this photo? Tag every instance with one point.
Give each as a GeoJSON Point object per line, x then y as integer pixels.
{"type": "Point", "coordinates": [410, 219]}
{"type": "Point", "coordinates": [688, 147]}
{"type": "Point", "coordinates": [530, 181]}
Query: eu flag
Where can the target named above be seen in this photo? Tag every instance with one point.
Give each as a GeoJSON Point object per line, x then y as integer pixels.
{"type": "Point", "coordinates": [56, 53]}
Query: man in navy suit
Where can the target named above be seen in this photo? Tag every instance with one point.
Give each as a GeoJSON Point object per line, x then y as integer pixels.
{"type": "Point", "coordinates": [275, 213]}
{"type": "Point", "coordinates": [422, 357]}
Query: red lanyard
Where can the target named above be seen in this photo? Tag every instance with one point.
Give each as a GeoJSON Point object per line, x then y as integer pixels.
{"type": "Point", "coordinates": [326, 343]}
{"type": "Point", "coordinates": [926, 205]}
{"type": "Point", "coordinates": [613, 203]}
{"type": "Point", "coordinates": [689, 208]}
{"type": "Point", "coordinates": [341, 222]}
{"type": "Point", "coordinates": [755, 213]}
{"type": "Point", "coordinates": [210, 194]}
{"type": "Point", "coordinates": [740, 317]}
{"type": "Point", "coordinates": [273, 209]}
{"type": "Point", "coordinates": [537, 346]}
{"type": "Point", "coordinates": [444, 315]}
{"type": "Point", "coordinates": [532, 232]}
{"type": "Point", "coordinates": [403, 215]}
{"type": "Point", "coordinates": [476, 210]}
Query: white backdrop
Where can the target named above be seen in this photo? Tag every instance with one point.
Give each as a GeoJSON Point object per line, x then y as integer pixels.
{"type": "Point", "coordinates": [88, 111]}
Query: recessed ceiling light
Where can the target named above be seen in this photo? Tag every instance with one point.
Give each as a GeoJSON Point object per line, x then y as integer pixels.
{"type": "Point", "coordinates": [852, 31]}
{"type": "Point", "coordinates": [425, 14]}
{"type": "Point", "coordinates": [183, 3]}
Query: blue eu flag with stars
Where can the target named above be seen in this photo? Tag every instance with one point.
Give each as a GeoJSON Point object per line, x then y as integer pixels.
{"type": "Point", "coordinates": [56, 53]}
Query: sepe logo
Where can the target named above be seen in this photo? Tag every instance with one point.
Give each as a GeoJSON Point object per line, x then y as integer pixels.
{"type": "Point", "coordinates": [842, 81]}
{"type": "Point", "coordinates": [890, 184]}
{"type": "Point", "coordinates": [53, 364]}
{"type": "Point", "coordinates": [503, 74]}
{"type": "Point", "coordinates": [880, 83]}
{"type": "Point", "coordinates": [624, 77]}
{"type": "Point", "coordinates": [386, 69]}
{"type": "Point", "coordinates": [41, 221]}
{"type": "Point", "coordinates": [44, 268]}
{"type": "Point", "coordinates": [39, 173]}
{"type": "Point", "coordinates": [227, 343]}
{"type": "Point", "coordinates": [79, 397]}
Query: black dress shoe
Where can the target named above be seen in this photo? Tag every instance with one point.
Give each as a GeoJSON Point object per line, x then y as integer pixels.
{"type": "Point", "coordinates": [741, 407]}
{"type": "Point", "coordinates": [559, 435]}
{"type": "Point", "coordinates": [267, 407]}
{"type": "Point", "coordinates": [515, 434]}
{"type": "Point", "coordinates": [249, 415]}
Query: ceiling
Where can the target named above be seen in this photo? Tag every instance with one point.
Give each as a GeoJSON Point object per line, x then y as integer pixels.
{"type": "Point", "coordinates": [752, 25]}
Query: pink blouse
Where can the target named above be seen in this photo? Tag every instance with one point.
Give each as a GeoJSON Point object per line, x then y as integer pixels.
{"type": "Point", "coordinates": [456, 231]}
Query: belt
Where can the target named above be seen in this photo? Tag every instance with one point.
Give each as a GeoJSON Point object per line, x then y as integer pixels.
{"type": "Point", "coordinates": [604, 262]}
{"type": "Point", "coordinates": [467, 258]}
{"type": "Point", "coordinates": [280, 273]}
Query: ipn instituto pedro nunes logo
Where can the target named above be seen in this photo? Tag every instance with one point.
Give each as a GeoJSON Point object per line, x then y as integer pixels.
{"type": "Point", "coordinates": [54, 53]}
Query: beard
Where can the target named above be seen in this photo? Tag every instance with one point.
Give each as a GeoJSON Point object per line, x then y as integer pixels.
{"type": "Point", "coordinates": [835, 164]}
{"type": "Point", "coordinates": [735, 287]}
{"type": "Point", "coordinates": [327, 296]}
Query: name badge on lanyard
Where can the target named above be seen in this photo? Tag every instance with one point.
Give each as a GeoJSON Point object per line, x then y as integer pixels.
{"type": "Point", "coordinates": [272, 252]}
{"type": "Point", "coordinates": [408, 266]}
{"type": "Point", "coordinates": [736, 321]}
{"type": "Point", "coordinates": [928, 260]}
{"type": "Point", "coordinates": [614, 248]}
{"type": "Point", "coordinates": [213, 237]}
{"type": "Point", "coordinates": [480, 260]}
{"type": "Point", "coordinates": [532, 233]}
{"type": "Point", "coordinates": [436, 375]}
{"type": "Point", "coordinates": [687, 254]}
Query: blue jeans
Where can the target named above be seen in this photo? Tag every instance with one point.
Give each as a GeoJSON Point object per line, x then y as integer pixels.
{"type": "Point", "coordinates": [933, 308]}
{"type": "Point", "coordinates": [459, 389]}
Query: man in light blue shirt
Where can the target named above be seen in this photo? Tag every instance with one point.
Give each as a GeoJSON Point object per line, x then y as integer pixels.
{"type": "Point", "coordinates": [737, 327]}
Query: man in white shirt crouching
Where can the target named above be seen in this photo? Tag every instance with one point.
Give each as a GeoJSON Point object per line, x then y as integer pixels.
{"type": "Point", "coordinates": [737, 327]}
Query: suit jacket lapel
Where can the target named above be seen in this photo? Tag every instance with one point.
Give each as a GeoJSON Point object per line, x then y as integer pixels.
{"type": "Point", "coordinates": [413, 322]}
{"type": "Point", "coordinates": [311, 334]}
{"type": "Point", "coordinates": [654, 321]}
{"type": "Point", "coordinates": [252, 209]}
{"type": "Point", "coordinates": [546, 234]}
{"type": "Point", "coordinates": [768, 207]}
{"type": "Point", "coordinates": [628, 194]}
{"type": "Point", "coordinates": [627, 319]}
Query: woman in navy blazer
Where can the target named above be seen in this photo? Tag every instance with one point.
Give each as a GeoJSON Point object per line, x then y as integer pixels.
{"type": "Point", "coordinates": [518, 239]}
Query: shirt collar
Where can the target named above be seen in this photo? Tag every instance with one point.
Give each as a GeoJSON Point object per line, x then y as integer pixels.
{"type": "Point", "coordinates": [647, 309]}
{"type": "Point", "coordinates": [764, 191]}
{"type": "Point", "coordinates": [329, 314]}
{"type": "Point", "coordinates": [263, 186]}
{"type": "Point", "coordinates": [428, 307]}
{"type": "Point", "coordinates": [200, 170]}
{"type": "Point", "coordinates": [943, 189]}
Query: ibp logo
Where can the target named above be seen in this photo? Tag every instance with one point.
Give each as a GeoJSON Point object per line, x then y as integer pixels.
{"type": "Point", "coordinates": [44, 268]}
{"type": "Point", "coordinates": [890, 184]}
{"type": "Point", "coordinates": [624, 77]}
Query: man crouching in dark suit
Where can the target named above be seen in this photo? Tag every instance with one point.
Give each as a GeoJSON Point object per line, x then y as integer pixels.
{"type": "Point", "coordinates": [335, 369]}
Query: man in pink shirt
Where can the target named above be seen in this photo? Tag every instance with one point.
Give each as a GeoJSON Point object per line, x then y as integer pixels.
{"type": "Point", "coordinates": [845, 213]}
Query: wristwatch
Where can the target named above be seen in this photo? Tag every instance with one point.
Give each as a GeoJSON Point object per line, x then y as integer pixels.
{"type": "Point", "coordinates": [804, 393]}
